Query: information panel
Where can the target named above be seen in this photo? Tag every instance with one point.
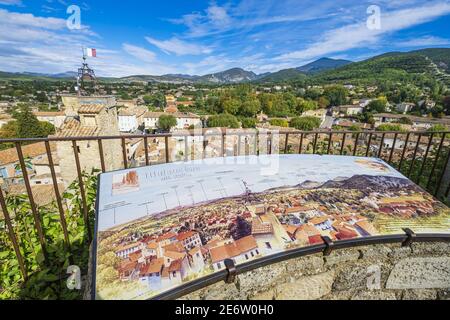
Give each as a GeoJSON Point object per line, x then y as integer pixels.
{"type": "Point", "coordinates": [162, 226]}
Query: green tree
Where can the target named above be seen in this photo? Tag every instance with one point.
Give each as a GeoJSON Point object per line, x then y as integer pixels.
{"type": "Point", "coordinates": [389, 127]}
{"type": "Point", "coordinates": [167, 122]}
{"type": "Point", "coordinates": [336, 95]}
{"type": "Point", "coordinates": [248, 123]}
{"type": "Point", "coordinates": [377, 106]}
{"type": "Point", "coordinates": [279, 123]}
{"type": "Point", "coordinates": [28, 126]}
{"type": "Point", "coordinates": [250, 108]}
{"type": "Point", "coordinates": [224, 120]}
{"type": "Point", "coordinates": [231, 106]}
{"type": "Point", "coordinates": [305, 123]}
{"type": "Point", "coordinates": [47, 128]}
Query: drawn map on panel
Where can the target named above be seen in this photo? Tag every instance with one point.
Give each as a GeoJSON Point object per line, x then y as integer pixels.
{"type": "Point", "coordinates": [162, 226]}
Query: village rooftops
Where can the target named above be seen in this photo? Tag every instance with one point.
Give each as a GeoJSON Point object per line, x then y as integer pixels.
{"type": "Point", "coordinates": [185, 235]}
{"type": "Point", "coordinates": [91, 109]}
{"type": "Point", "coordinates": [166, 236]}
{"type": "Point", "coordinates": [43, 194]}
{"type": "Point", "coordinates": [127, 246]}
{"type": "Point", "coordinates": [444, 120]}
{"type": "Point", "coordinates": [9, 156]}
{"type": "Point", "coordinates": [73, 128]}
{"type": "Point", "coordinates": [135, 111]}
{"type": "Point", "coordinates": [189, 115]}
{"type": "Point", "coordinates": [259, 227]}
{"type": "Point", "coordinates": [49, 114]}
{"type": "Point", "coordinates": [233, 249]}
{"type": "Point", "coordinates": [155, 266]}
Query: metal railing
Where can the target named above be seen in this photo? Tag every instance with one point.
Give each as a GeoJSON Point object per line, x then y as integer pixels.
{"type": "Point", "coordinates": [421, 156]}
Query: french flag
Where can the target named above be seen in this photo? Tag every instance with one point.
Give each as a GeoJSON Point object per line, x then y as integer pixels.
{"type": "Point", "coordinates": [89, 52]}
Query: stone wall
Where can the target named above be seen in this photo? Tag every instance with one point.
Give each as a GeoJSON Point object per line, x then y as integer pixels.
{"type": "Point", "coordinates": [421, 271]}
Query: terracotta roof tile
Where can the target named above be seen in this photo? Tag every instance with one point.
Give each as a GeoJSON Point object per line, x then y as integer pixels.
{"type": "Point", "coordinates": [73, 128]}
{"type": "Point", "coordinates": [29, 151]}
{"type": "Point", "coordinates": [91, 108]}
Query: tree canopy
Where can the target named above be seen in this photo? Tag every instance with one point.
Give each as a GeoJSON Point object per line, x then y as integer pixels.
{"type": "Point", "coordinates": [167, 122]}
{"type": "Point", "coordinates": [305, 123]}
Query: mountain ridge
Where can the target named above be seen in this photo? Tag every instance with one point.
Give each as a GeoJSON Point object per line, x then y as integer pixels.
{"type": "Point", "coordinates": [431, 61]}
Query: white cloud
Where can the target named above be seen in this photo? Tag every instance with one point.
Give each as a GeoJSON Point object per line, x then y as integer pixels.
{"type": "Point", "coordinates": [11, 2]}
{"type": "Point", "coordinates": [426, 41]}
{"type": "Point", "coordinates": [139, 53]}
{"type": "Point", "coordinates": [358, 35]}
{"type": "Point", "coordinates": [179, 47]}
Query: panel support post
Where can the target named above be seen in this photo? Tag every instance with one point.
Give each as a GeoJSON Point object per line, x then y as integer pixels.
{"type": "Point", "coordinates": [329, 245]}
{"type": "Point", "coordinates": [232, 272]}
{"type": "Point", "coordinates": [411, 236]}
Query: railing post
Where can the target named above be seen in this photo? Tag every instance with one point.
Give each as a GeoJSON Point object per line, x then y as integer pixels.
{"type": "Point", "coordinates": [369, 144]}
{"type": "Point", "coordinates": [380, 151]}
{"type": "Point", "coordinates": [435, 161]}
{"type": "Point", "coordinates": [186, 148]}
{"type": "Point", "coordinates": [355, 149]}
{"type": "Point", "coordinates": [425, 158]}
{"type": "Point", "coordinates": [329, 143]}
{"type": "Point", "coordinates": [147, 160]}
{"type": "Point", "coordinates": [37, 218]}
{"type": "Point", "coordinates": [405, 147]}
{"type": "Point", "coordinates": [286, 144]}
{"type": "Point", "coordinates": [393, 148]}
{"type": "Point", "coordinates": [62, 216]}
{"type": "Point", "coordinates": [316, 136]}
{"type": "Point", "coordinates": [124, 154]}
{"type": "Point", "coordinates": [82, 191]}
{"type": "Point", "coordinates": [300, 148]}
{"type": "Point", "coordinates": [223, 145]}
{"type": "Point", "coordinates": [414, 155]}
{"type": "Point", "coordinates": [12, 236]}
{"type": "Point", "coordinates": [166, 144]}
{"type": "Point", "coordinates": [438, 185]}
{"type": "Point", "coordinates": [343, 144]}
{"type": "Point", "coordinates": [102, 157]}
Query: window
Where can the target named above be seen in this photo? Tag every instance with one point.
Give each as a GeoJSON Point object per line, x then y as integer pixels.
{"type": "Point", "coordinates": [252, 254]}
{"type": "Point", "coordinates": [3, 173]}
{"type": "Point", "coordinates": [257, 252]}
{"type": "Point", "coordinates": [218, 265]}
{"type": "Point", "coordinates": [268, 246]}
{"type": "Point", "coordinates": [246, 256]}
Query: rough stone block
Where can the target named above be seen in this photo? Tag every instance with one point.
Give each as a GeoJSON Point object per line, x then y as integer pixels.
{"type": "Point", "coordinates": [306, 288]}
{"type": "Point", "coordinates": [374, 295]}
{"type": "Point", "coordinates": [265, 295]}
{"type": "Point", "coordinates": [305, 266]}
{"type": "Point", "coordinates": [420, 294]}
{"type": "Point", "coordinates": [223, 291]}
{"type": "Point", "coordinates": [341, 256]}
{"type": "Point", "coordinates": [262, 278]}
{"type": "Point", "coordinates": [400, 252]}
{"type": "Point", "coordinates": [361, 275]}
{"type": "Point", "coordinates": [436, 248]}
{"type": "Point", "coordinates": [420, 273]}
{"type": "Point", "coordinates": [375, 253]}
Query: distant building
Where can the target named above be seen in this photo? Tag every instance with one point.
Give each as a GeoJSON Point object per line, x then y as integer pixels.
{"type": "Point", "coordinates": [55, 118]}
{"type": "Point", "coordinates": [90, 120]}
{"type": "Point", "coordinates": [130, 119]}
{"type": "Point", "coordinates": [239, 251]}
{"type": "Point", "coordinates": [419, 123]}
{"type": "Point", "coordinates": [347, 110]}
{"type": "Point", "coordinates": [405, 107]}
{"type": "Point", "coordinates": [185, 120]}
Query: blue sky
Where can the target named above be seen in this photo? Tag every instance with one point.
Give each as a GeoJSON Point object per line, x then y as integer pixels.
{"type": "Point", "coordinates": [200, 37]}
